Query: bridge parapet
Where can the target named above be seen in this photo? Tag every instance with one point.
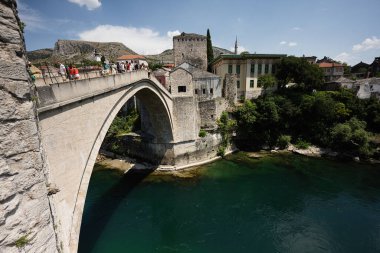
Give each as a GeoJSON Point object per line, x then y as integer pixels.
{"type": "Point", "coordinates": [59, 94]}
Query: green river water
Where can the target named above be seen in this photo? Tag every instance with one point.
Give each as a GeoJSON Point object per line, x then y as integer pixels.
{"type": "Point", "coordinates": [282, 203]}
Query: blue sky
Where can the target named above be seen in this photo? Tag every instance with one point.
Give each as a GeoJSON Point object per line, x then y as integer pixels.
{"type": "Point", "coordinates": [346, 30]}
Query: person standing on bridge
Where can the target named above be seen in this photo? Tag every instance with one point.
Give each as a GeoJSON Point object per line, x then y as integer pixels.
{"type": "Point", "coordinates": [62, 71]}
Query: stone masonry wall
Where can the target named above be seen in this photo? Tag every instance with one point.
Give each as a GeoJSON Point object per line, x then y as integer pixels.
{"type": "Point", "coordinates": [210, 111]}
{"type": "Point", "coordinates": [25, 213]}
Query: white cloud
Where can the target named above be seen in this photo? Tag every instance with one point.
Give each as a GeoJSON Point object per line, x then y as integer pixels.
{"type": "Point", "coordinates": [90, 4]}
{"type": "Point", "coordinates": [296, 28]}
{"type": "Point", "coordinates": [141, 40]}
{"type": "Point", "coordinates": [171, 34]}
{"type": "Point", "coordinates": [344, 57]}
{"type": "Point", "coordinates": [241, 49]}
{"type": "Point", "coordinates": [30, 17]}
{"type": "Point", "coordinates": [289, 44]}
{"type": "Point", "coordinates": [367, 44]}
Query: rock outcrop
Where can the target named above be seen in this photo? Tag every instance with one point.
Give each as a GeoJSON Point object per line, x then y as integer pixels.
{"type": "Point", "coordinates": [77, 50]}
{"type": "Point", "coordinates": [26, 222]}
{"type": "Point", "coordinates": [40, 54]}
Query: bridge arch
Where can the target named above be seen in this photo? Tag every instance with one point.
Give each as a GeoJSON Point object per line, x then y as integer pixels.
{"type": "Point", "coordinates": [72, 135]}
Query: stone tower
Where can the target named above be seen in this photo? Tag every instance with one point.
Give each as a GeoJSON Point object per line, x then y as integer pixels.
{"type": "Point", "coordinates": [191, 48]}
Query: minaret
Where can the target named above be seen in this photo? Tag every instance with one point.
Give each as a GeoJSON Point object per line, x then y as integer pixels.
{"type": "Point", "coordinates": [236, 46]}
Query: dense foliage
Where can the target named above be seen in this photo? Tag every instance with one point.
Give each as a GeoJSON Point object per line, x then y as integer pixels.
{"type": "Point", "coordinates": [298, 70]}
{"type": "Point", "coordinates": [226, 127]}
{"type": "Point", "coordinates": [124, 123]}
{"type": "Point", "coordinates": [335, 119]}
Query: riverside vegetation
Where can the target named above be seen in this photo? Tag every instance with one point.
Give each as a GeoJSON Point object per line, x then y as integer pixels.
{"type": "Point", "coordinates": [305, 114]}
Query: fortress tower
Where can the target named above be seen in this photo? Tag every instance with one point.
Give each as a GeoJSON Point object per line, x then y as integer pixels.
{"type": "Point", "coordinates": [191, 48]}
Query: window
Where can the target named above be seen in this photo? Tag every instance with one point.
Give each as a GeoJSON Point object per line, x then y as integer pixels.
{"type": "Point", "coordinates": [181, 88]}
{"type": "Point", "coordinates": [266, 68]}
{"type": "Point", "coordinates": [196, 91]}
{"type": "Point", "coordinates": [273, 69]}
{"type": "Point", "coordinates": [259, 68]}
{"type": "Point", "coordinates": [259, 83]}
{"type": "Point", "coordinates": [253, 68]}
{"type": "Point", "coordinates": [229, 69]}
{"type": "Point", "coordinates": [203, 91]}
{"type": "Point", "coordinates": [251, 82]}
{"type": "Point", "coordinates": [211, 91]}
{"type": "Point", "coordinates": [238, 84]}
{"type": "Point", "coordinates": [237, 69]}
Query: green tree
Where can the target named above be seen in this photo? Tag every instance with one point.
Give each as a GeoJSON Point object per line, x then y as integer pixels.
{"type": "Point", "coordinates": [352, 137]}
{"type": "Point", "coordinates": [246, 116]}
{"type": "Point", "coordinates": [267, 81]}
{"type": "Point", "coordinates": [226, 126]}
{"type": "Point", "coordinates": [298, 70]}
{"type": "Point", "coordinates": [210, 52]}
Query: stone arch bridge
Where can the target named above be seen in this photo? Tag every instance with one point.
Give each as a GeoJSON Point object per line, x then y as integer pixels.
{"type": "Point", "coordinates": [74, 118]}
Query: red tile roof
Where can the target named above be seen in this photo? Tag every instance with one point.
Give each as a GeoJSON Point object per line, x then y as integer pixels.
{"type": "Point", "coordinates": [329, 65]}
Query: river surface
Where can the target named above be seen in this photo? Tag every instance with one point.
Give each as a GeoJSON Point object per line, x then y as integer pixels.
{"type": "Point", "coordinates": [282, 203]}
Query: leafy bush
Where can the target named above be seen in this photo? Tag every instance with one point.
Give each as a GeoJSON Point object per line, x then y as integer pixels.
{"type": "Point", "coordinates": [284, 141]}
{"type": "Point", "coordinates": [301, 144]}
{"type": "Point", "coordinates": [202, 133]}
{"type": "Point", "coordinates": [221, 151]}
{"type": "Point", "coordinates": [122, 125]}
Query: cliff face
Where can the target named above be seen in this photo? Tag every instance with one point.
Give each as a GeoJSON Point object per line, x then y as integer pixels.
{"type": "Point", "coordinates": [26, 221]}
{"type": "Point", "coordinates": [77, 50]}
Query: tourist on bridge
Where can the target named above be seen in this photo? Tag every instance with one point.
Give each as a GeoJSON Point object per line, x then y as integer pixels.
{"type": "Point", "coordinates": [129, 66]}
{"type": "Point", "coordinates": [62, 71]}
{"type": "Point", "coordinates": [122, 67]}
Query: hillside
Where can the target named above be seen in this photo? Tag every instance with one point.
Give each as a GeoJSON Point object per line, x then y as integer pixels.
{"type": "Point", "coordinates": [168, 57]}
{"type": "Point", "coordinates": [39, 54]}
{"type": "Point", "coordinates": [77, 51]}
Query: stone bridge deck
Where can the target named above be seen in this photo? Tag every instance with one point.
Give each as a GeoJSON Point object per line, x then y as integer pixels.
{"type": "Point", "coordinates": [60, 93]}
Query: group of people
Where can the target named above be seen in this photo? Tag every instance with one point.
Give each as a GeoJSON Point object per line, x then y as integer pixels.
{"type": "Point", "coordinates": [123, 67]}
{"type": "Point", "coordinates": [69, 72]}
{"type": "Point", "coordinates": [72, 73]}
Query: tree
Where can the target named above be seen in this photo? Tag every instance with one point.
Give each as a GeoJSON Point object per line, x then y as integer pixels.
{"type": "Point", "coordinates": [210, 52]}
{"type": "Point", "coordinates": [351, 136]}
{"type": "Point", "coordinates": [226, 126]}
{"type": "Point", "coordinates": [298, 70]}
{"type": "Point", "coordinates": [267, 81]}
